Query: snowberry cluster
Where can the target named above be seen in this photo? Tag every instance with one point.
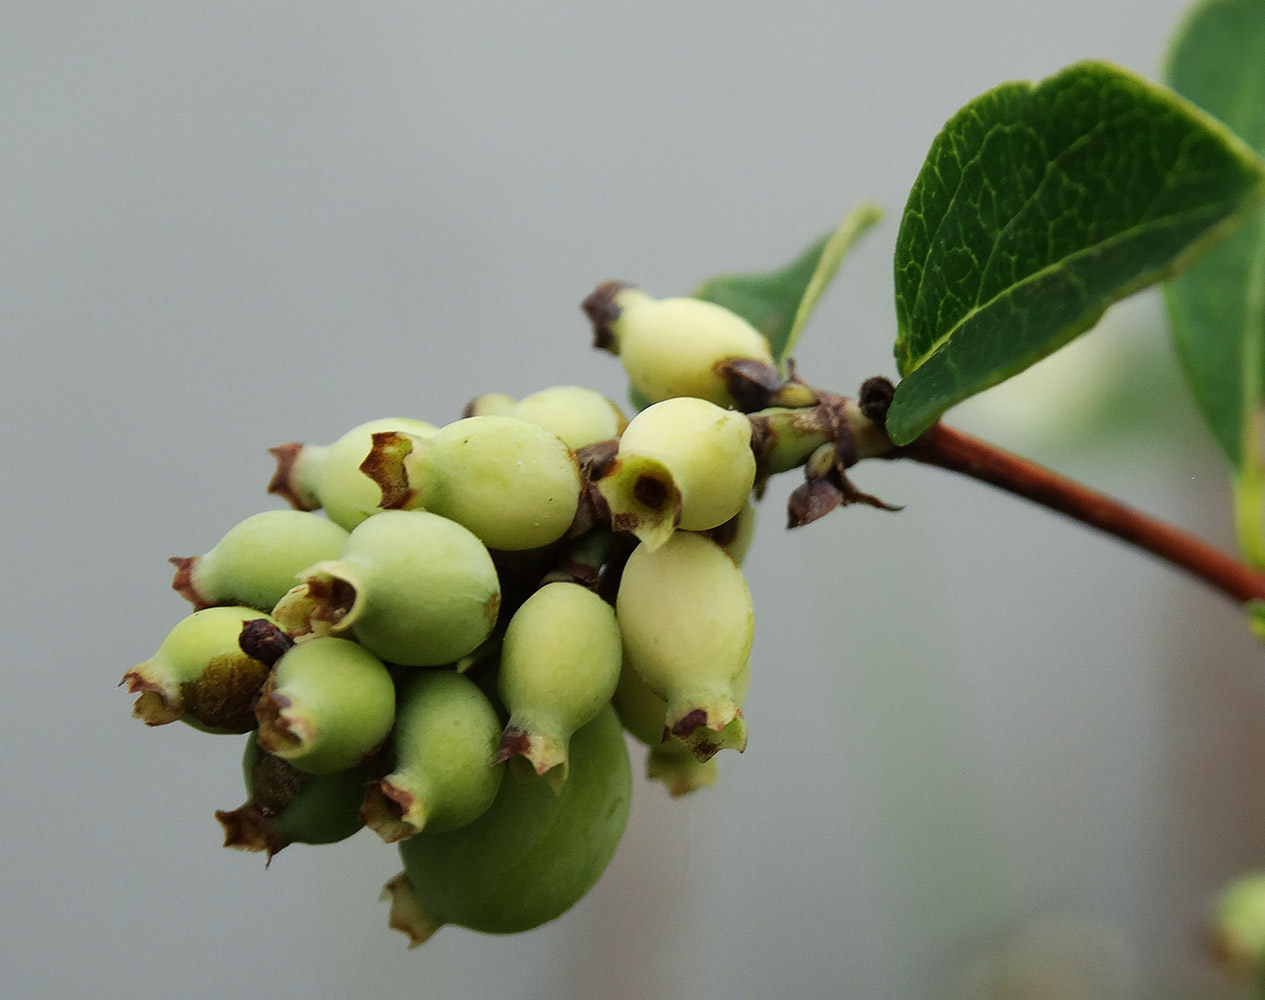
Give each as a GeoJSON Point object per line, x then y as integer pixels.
{"type": "Point", "coordinates": [508, 592]}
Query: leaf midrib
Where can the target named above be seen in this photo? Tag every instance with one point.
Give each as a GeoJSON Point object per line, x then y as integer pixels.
{"type": "Point", "coordinates": [1052, 169]}
{"type": "Point", "coordinates": [1159, 222]}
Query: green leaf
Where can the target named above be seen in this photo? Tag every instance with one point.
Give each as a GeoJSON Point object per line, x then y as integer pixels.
{"type": "Point", "coordinates": [1256, 618]}
{"type": "Point", "coordinates": [1038, 207]}
{"type": "Point", "coordinates": [1217, 309]}
{"type": "Point", "coordinates": [636, 398]}
{"type": "Point", "coordinates": [779, 303]}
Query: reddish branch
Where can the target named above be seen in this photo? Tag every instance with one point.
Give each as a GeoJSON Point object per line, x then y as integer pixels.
{"type": "Point", "coordinates": [951, 449]}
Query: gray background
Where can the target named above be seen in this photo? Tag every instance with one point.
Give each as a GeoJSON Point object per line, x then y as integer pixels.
{"type": "Point", "coordinates": [991, 755]}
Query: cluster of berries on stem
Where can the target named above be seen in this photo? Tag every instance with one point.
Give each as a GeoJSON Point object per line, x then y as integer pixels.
{"type": "Point", "coordinates": [447, 636]}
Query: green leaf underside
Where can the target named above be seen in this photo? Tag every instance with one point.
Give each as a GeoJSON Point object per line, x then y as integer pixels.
{"type": "Point", "coordinates": [1217, 309]}
{"type": "Point", "coordinates": [1256, 619]}
{"type": "Point", "coordinates": [778, 303]}
{"type": "Point", "coordinates": [861, 218]}
{"type": "Point", "coordinates": [1037, 208]}
{"type": "Point", "coordinates": [637, 398]}
{"type": "Point", "coordinates": [1217, 326]}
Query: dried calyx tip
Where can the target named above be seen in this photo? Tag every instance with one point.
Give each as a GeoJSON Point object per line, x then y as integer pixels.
{"type": "Point", "coordinates": [247, 828]}
{"type": "Point", "coordinates": [263, 641]}
{"type": "Point", "coordinates": [282, 482]}
{"type": "Point", "coordinates": [811, 501]}
{"type": "Point", "coordinates": [152, 706]}
{"type": "Point", "coordinates": [704, 735]}
{"type": "Point", "coordinates": [384, 810]}
{"type": "Point", "coordinates": [875, 398]}
{"type": "Point", "coordinates": [600, 307]}
{"type": "Point", "coordinates": [182, 582]}
{"type": "Point", "coordinates": [278, 732]}
{"type": "Point", "coordinates": [752, 384]}
{"type": "Point", "coordinates": [385, 466]}
{"type": "Point", "coordinates": [514, 741]}
{"type": "Point", "coordinates": [408, 915]}
{"type": "Point", "coordinates": [686, 725]}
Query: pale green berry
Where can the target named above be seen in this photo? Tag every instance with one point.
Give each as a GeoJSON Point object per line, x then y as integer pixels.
{"type": "Point", "coordinates": [329, 476]}
{"type": "Point", "coordinates": [287, 806]}
{"type": "Point", "coordinates": [667, 759]}
{"type": "Point", "coordinates": [489, 404]}
{"type": "Point", "coordinates": [528, 859]}
{"type": "Point", "coordinates": [515, 485]}
{"type": "Point", "coordinates": [675, 765]}
{"type": "Point", "coordinates": [327, 706]}
{"type": "Point", "coordinates": [200, 674]}
{"type": "Point", "coordinates": [579, 416]}
{"type": "Point", "coordinates": [672, 347]}
{"type": "Point", "coordinates": [1238, 927]}
{"type": "Point", "coordinates": [687, 621]}
{"type": "Point", "coordinates": [445, 739]}
{"type": "Point", "coordinates": [736, 534]}
{"type": "Point", "coordinates": [682, 463]}
{"type": "Point", "coordinates": [413, 587]}
{"type": "Point", "coordinates": [559, 665]}
{"type": "Point", "coordinates": [258, 560]}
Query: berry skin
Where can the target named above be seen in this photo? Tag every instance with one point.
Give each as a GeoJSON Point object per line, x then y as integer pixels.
{"type": "Point", "coordinates": [530, 857]}
{"type": "Point", "coordinates": [559, 665]}
{"type": "Point", "coordinates": [579, 416]}
{"type": "Point", "coordinates": [736, 534]}
{"type": "Point", "coordinates": [1238, 928]}
{"type": "Point", "coordinates": [414, 588]}
{"type": "Point", "coordinates": [682, 463]}
{"type": "Point", "coordinates": [687, 621]}
{"type": "Point", "coordinates": [489, 404]}
{"type": "Point", "coordinates": [327, 706]}
{"type": "Point", "coordinates": [200, 674]}
{"type": "Point", "coordinates": [514, 484]}
{"type": "Point", "coordinates": [287, 806]}
{"type": "Point", "coordinates": [258, 560]}
{"type": "Point", "coordinates": [445, 741]}
{"type": "Point", "coordinates": [672, 347]}
{"type": "Point", "coordinates": [329, 476]}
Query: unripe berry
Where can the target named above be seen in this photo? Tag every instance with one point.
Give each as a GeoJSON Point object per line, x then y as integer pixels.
{"type": "Point", "coordinates": [328, 705]}
{"type": "Point", "coordinates": [672, 347]}
{"type": "Point", "coordinates": [667, 759]}
{"type": "Point", "coordinates": [489, 404]}
{"type": "Point", "coordinates": [1238, 928]}
{"type": "Point", "coordinates": [736, 534]}
{"type": "Point", "coordinates": [559, 665]}
{"type": "Point", "coordinates": [687, 621]}
{"type": "Point", "coordinates": [200, 675]}
{"type": "Point", "coordinates": [258, 560]}
{"type": "Point", "coordinates": [579, 416]}
{"type": "Point", "coordinates": [682, 463]}
{"type": "Point", "coordinates": [287, 806]}
{"type": "Point", "coordinates": [515, 485]}
{"type": "Point", "coordinates": [329, 476]}
{"type": "Point", "coordinates": [445, 741]}
{"type": "Point", "coordinates": [530, 857]}
{"type": "Point", "coordinates": [415, 588]}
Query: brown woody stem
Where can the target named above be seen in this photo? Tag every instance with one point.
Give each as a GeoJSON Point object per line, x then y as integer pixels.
{"type": "Point", "coordinates": [959, 452]}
